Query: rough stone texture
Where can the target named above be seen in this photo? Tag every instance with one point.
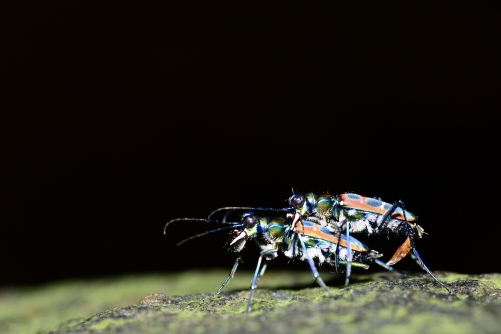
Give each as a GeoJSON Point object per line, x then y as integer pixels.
{"type": "Point", "coordinates": [374, 303]}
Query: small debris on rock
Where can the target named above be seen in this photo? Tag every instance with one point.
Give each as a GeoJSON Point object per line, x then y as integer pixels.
{"type": "Point", "coordinates": [152, 298]}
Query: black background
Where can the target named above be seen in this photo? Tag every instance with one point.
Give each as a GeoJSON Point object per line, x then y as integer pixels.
{"type": "Point", "coordinates": [116, 118]}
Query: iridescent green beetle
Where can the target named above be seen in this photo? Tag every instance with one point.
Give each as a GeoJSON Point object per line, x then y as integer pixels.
{"type": "Point", "coordinates": [352, 213]}
{"type": "Point", "coordinates": [305, 241]}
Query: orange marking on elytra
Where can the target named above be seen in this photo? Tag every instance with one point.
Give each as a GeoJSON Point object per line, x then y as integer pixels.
{"type": "Point", "coordinates": [361, 205]}
{"type": "Point", "coordinates": [401, 252]}
{"type": "Point", "coordinates": [315, 233]}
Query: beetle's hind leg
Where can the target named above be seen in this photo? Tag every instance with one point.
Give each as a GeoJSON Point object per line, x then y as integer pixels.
{"type": "Point", "coordinates": [410, 235]}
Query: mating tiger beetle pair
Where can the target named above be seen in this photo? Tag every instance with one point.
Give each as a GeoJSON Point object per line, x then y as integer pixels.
{"type": "Point", "coordinates": [317, 228]}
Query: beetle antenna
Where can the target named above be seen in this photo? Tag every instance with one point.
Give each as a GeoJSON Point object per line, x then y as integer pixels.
{"type": "Point", "coordinates": [207, 232]}
{"type": "Point", "coordinates": [197, 220]}
{"type": "Point", "coordinates": [232, 208]}
{"type": "Point", "coordinates": [226, 216]}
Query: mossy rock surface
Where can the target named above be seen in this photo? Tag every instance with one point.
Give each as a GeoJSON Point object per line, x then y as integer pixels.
{"type": "Point", "coordinates": [285, 302]}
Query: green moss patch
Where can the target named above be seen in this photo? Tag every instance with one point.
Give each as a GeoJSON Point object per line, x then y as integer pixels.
{"type": "Point", "coordinates": [285, 302]}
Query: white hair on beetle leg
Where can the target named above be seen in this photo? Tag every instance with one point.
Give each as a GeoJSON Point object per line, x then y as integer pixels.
{"type": "Point", "coordinates": [314, 252]}
{"type": "Point", "coordinates": [289, 253]}
{"type": "Point", "coordinates": [343, 254]}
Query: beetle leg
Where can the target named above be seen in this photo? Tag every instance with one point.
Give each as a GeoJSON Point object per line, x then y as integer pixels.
{"type": "Point", "coordinates": [263, 269]}
{"type": "Point", "coordinates": [388, 213]}
{"type": "Point", "coordinates": [314, 271]}
{"type": "Point", "coordinates": [230, 276]}
{"type": "Point", "coordinates": [258, 274]}
{"type": "Point", "coordinates": [416, 260]}
{"type": "Point", "coordinates": [336, 260]}
{"type": "Point", "coordinates": [348, 257]}
{"type": "Point", "coordinates": [388, 267]}
{"type": "Point", "coordinates": [253, 284]}
{"type": "Point", "coordinates": [410, 234]}
{"type": "Point", "coordinates": [337, 245]}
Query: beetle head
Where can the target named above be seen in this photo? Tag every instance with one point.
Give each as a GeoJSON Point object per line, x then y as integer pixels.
{"type": "Point", "coordinates": [247, 231]}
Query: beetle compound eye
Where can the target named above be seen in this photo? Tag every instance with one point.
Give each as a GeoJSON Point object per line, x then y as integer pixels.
{"type": "Point", "coordinates": [297, 201]}
{"type": "Point", "coordinates": [249, 220]}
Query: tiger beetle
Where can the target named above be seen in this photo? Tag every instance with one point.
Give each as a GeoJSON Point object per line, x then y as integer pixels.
{"type": "Point", "coordinates": [305, 240]}
{"type": "Point", "coordinates": [354, 213]}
